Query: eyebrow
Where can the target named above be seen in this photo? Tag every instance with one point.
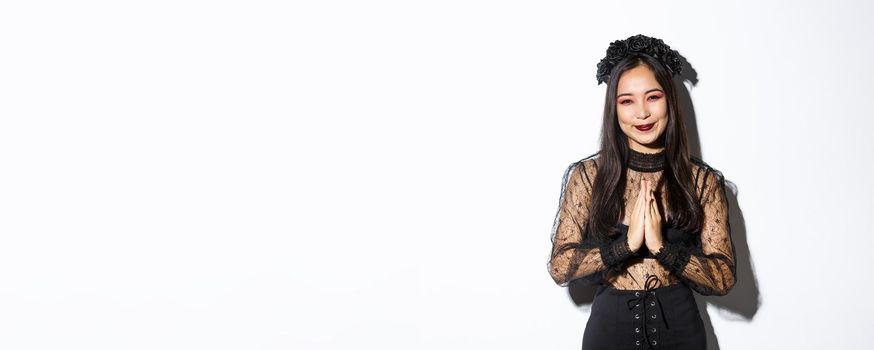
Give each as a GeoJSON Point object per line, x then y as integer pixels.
{"type": "Point", "coordinates": [647, 91]}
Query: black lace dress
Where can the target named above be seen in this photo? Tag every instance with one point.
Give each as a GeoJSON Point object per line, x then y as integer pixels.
{"type": "Point", "coordinates": [643, 300]}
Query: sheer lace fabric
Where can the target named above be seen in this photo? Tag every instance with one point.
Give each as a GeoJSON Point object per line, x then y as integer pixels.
{"type": "Point", "coordinates": [704, 260]}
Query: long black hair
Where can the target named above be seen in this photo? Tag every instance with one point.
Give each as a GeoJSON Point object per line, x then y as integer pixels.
{"type": "Point", "coordinates": [683, 210]}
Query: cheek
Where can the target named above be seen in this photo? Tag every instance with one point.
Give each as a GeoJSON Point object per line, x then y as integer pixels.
{"type": "Point", "coordinates": [663, 125]}
{"type": "Point", "coordinates": [624, 117]}
{"type": "Point", "coordinates": [662, 107]}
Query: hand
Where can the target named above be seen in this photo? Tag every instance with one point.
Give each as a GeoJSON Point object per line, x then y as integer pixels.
{"type": "Point", "coordinates": [637, 220]}
{"type": "Point", "coordinates": [653, 222]}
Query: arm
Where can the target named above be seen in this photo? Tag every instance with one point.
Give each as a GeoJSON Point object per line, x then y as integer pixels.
{"type": "Point", "coordinates": [576, 255]}
{"type": "Point", "coordinates": [708, 267]}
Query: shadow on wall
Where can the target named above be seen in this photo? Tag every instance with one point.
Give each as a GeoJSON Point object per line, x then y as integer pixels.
{"type": "Point", "coordinates": [744, 300]}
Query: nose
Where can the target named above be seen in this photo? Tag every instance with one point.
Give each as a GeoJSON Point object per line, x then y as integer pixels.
{"type": "Point", "coordinates": [643, 114]}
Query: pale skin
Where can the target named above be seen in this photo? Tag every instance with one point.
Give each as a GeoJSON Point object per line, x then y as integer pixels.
{"type": "Point", "coordinates": [640, 101]}
{"type": "Point", "coordinates": [645, 223]}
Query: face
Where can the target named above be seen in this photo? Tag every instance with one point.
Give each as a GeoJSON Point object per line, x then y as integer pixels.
{"type": "Point", "coordinates": [640, 102]}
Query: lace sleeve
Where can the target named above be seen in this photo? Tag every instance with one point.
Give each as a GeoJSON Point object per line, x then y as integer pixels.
{"type": "Point", "coordinates": [708, 266]}
{"type": "Point", "coordinates": [575, 255]}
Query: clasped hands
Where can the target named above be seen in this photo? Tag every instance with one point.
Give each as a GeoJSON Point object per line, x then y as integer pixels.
{"type": "Point", "coordinates": [645, 223]}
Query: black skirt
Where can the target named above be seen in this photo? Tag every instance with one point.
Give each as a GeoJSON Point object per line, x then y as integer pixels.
{"type": "Point", "coordinates": [658, 317]}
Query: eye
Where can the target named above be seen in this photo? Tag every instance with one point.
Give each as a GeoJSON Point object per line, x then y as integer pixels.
{"type": "Point", "coordinates": [656, 97]}
{"type": "Point", "coordinates": [623, 102]}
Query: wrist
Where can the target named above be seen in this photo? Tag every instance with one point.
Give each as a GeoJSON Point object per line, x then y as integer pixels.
{"type": "Point", "coordinates": [615, 252]}
{"type": "Point", "coordinates": [673, 256]}
{"type": "Point", "coordinates": [631, 246]}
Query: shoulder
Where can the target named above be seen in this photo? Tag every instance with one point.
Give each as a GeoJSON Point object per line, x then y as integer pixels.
{"type": "Point", "coordinates": [705, 175]}
{"type": "Point", "coordinates": [582, 170]}
{"type": "Point", "coordinates": [585, 167]}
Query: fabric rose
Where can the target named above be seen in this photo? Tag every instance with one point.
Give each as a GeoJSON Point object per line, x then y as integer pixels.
{"type": "Point", "coordinates": [639, 43]}
{"type": "Point", "coordinates": [616, 51]}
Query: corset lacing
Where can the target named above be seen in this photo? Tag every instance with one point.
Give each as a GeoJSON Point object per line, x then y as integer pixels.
{"type": "Point", "coordinates": [652, 282]}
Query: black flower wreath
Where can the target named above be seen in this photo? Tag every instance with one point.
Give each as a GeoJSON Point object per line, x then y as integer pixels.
{"type": "Point", "coordinates": [656, 48]}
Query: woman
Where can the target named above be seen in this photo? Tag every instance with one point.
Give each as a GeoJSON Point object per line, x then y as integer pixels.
{"type": "Point", "coordinates": [642, 218]}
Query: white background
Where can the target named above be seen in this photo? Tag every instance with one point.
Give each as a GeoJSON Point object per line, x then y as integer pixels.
{"type": "Point", "coordinates": [337, 175]}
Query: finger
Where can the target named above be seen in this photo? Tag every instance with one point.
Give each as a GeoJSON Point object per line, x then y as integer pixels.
{"type": "Point", "coordinates": [640, 201]}
{"type": "Point", "coordinates": [654, 222]}
{"type": "Point", "coordinates": [654, 209]}
{"type": "Point", "coordinates": [644, 215]}
{"type": "Point", "coordinates": [645, 200]}
{"type": "Point", "coordinates": [649, 195]}
{"type": "Point", "coordinates": [650, 189]}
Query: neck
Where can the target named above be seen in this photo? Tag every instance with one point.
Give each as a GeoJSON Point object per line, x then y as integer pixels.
{"type": "Point", "coordinates": [647, 162]}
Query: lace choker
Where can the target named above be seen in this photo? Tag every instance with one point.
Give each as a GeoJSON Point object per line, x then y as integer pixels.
{"type": "Point", "coordinates": [647, 162]}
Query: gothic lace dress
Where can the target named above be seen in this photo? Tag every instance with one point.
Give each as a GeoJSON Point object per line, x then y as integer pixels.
{"type": "Point", "coordinates": [705, 260]}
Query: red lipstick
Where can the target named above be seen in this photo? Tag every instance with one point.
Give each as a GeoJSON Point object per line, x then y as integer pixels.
{"type": "Point", "coordinates": [644, 127]}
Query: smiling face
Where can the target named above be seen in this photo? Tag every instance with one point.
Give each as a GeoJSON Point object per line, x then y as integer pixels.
{"type": "Point", "coordinates": [641, 102]}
